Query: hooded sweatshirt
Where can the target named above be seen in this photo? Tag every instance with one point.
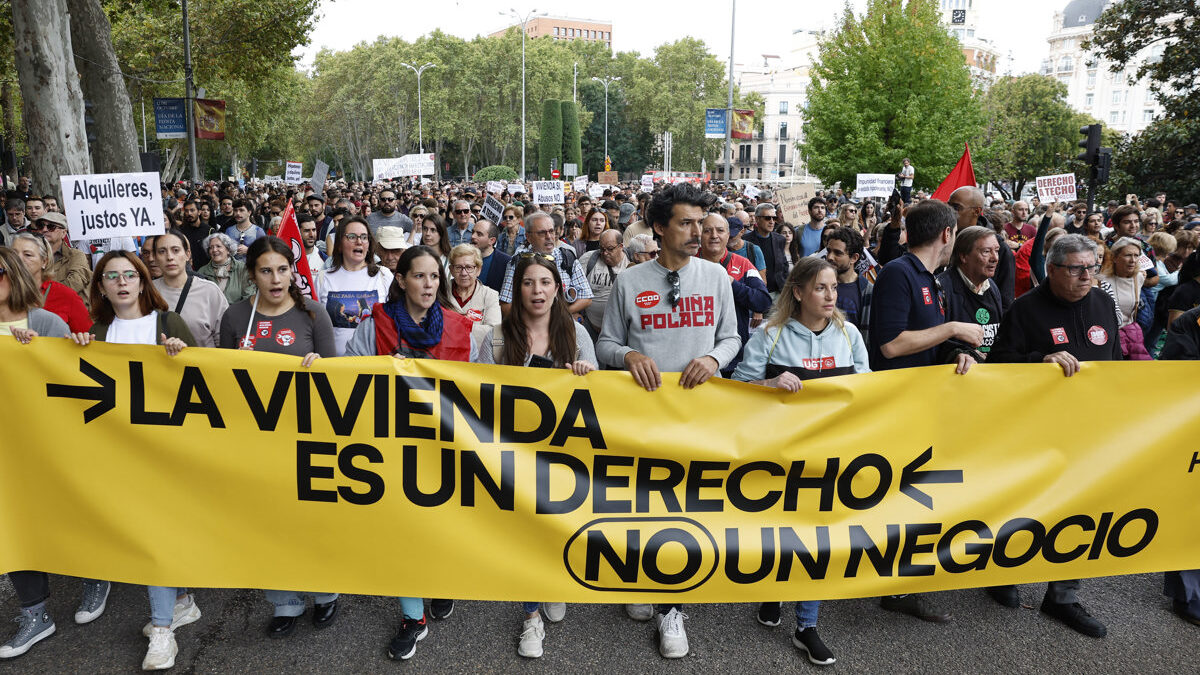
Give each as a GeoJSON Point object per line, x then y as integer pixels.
{"type": "Point", "coordinates": [806, 354]}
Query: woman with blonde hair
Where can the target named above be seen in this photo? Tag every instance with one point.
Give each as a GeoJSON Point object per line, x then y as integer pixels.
{"type": "Point", "coordinates": [805, 337]}
{"type": "Point", "coordinates": [56, 297]}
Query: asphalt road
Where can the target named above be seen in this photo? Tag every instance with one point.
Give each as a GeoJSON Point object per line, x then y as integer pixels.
{"type": "Point", "coordinates": [1144, 637]}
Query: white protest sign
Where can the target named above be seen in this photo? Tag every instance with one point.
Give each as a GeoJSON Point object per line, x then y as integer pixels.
{"type": "Point", "coordinates": [581, 183]}
{"type": "Point", "coordinates": [292, 175]}
{"type": "Point", "coordinates": [549, 192]}
{"type": "Point", "coordinates": [493, 209]}
{"type": "Point", "coordinates": [793, 201]}
{"type": "Point", "coordinates": [1056, 188]}
{"type": "Point", "coordinates": [495, 187]}
{"type": "Point", "coordinates": [648, 183]}
{"type": "Point", "coordinates": [320, 174]}
{"type": "Point", "coordinates": [515, 188]}
{"type": "Point", "coordinates": [408, 165]}
{"type": "Point", "coordinates": [111, 205]}
{"type": "Point", "coordinates": [874, 185]}
{"type": "Point", "coordinates": [596, 191]}
{"type": "Point", "coordinates": [750, 191]}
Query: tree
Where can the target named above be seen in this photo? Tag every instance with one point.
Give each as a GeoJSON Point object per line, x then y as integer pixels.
{"type": "Point", "coordinates": [1030, 131]}
{"type": "Point", "coordinates": [115, 149]}
{"type": "Point", "coordinates": [550, 145]}
{"type": "Point", "coordinates": [1160, 38]}
{"type": "Point", "coordinates": [889, 85]}
{"type": "Point", "coordinates": [572, 141]}
{"type": "Point", "coordinates": [496, 172]}
{"type": "Point", "coordinates": [53, 113]}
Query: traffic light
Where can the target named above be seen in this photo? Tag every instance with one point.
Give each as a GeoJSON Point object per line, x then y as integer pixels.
{"type": "Point", "coordinates": [553, 163]}
{"type": "Point", "coordinates": [89, 121]}
{"type": "Point", "coordinates": [1090, 143]}
{"type": "Point", "coordinates": [1103, 164]}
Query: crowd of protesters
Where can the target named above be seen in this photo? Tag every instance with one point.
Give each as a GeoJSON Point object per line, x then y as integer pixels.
{"type": "Point", "coordinates": [697, 280]}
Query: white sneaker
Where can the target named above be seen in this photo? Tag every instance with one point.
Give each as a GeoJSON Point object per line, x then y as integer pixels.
{"type": "Point", "coordinates": [161, 653]}
{"type": "Point", "coordinates": [532, 633]}
{"type": "Point", "coordinates": [640, 612]}
{"type": "Point", "coordinates": [554, 611]}
{"type": "Point", "coordinates": [185, 612]}
{"type": "Point", "coordinates": [672, 638]}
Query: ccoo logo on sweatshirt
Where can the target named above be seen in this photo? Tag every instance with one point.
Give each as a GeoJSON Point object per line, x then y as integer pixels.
{"type": "Point", "coordinates": [646, 299]}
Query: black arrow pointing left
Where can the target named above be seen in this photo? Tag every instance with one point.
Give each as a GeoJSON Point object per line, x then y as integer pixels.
{"type": "Point", "coordinates": [105, 394]}
{"type": "Point", "coordinates": [911, 477]}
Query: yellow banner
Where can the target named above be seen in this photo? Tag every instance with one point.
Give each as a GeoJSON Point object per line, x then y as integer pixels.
{"type": "Point", "coordinates": [235, 469]}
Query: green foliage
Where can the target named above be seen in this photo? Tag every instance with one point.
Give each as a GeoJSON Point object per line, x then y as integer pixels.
{"type": "Point", "coordinates": [890, 84]}
{"type": "Point", "coordinates": [1159, 36]}
{"type": "Point", "coordinates": [1030, 131]}
{"type": "Point", "coordinates": [496, 172]}
{"type": "Point", "coordinates": [571, 138]}
{"type": "Point", "coordinates": [550, 146]}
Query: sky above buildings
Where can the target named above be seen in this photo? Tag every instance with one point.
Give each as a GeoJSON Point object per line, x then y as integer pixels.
{"type": "Point", "coordinates": [1018, 28]}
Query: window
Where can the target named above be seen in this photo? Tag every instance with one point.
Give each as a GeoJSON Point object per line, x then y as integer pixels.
{"type": "Point", "coordinates": [1066, 65]}
{"type": "Point", "coordinates": [556, 30]}
{"type": "Point", "coordinates": [783, 107]}
{"type": "Point", "coordinates": [1091, 78]}
{"type": "Point", "coordinates": [1088, 100]}
{"type": "Point", "coordinates": [1065, 79]}
{"type": "Point", "coordinates": [782, 131]}
{"type": "Point", "coordinates": [1148, 115]}
{"type": "Point", "coordinates": [1045, 66]}
{"type": "Point", "coordinates": [1117, 117]}
{"type": "Point", "coordinates": [760, 154]}
{"type": "Point", "coordinates": [783, 153]}
{"type": "Point", "coordinates": [572, 32]}
{"type": "Point", "coordinates": [1118, 97]}
{"type": "Point", "coordinates": [970, 32]}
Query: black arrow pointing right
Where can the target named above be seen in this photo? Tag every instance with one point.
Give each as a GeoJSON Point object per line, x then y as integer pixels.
{"type": "Point", "coordinates": [105, 394]}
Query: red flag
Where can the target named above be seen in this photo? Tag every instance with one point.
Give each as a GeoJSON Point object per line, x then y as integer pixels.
{"type": "Point", "coordinates": [289, 231]}
{"type": "Point", "coordinates": [963, 174]}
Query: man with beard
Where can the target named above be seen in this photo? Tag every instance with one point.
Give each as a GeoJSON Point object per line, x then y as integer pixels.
{"type": "Point", "coordinates": [388, 214]}
{"type": "Point", "coordinates": [195, 232]}
{"type": "Point", "coordinates": [843, 250]}
{"type": "Point", "coordinates": [308, 235]}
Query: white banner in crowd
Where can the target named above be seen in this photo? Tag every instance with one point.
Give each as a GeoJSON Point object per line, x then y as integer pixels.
{"type": "Point", "coordinates": [109, 205]}
{"type": "Point", "coordinates": [293, 173]}
{"type": "Point", "coordinates": [515, 188]}
{"type": "Point", "coordinates": [320, 174]}
{"type": "Point", "coordinates": [495, 187]}
{"type": "Point", "coordinates": [1056, 188]}
{"type": "Point", "coordinates": [750, 191]}
{"type": "Point", "coordinates": [493, 209]}
{"type": "Point", "coordinates": [874, 185]}
{"type": "Point", "coordinates": [408, 165]}
{"type": "Point", "coordinates": [596, 191]}
{"type": "Point", "coordinates": [580, 183]}
{"type": "Point", "coordinates": [549, 192]}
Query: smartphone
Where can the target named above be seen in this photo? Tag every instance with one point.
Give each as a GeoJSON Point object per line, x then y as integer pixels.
{"type": "Point", "coordinates": [539, 361]}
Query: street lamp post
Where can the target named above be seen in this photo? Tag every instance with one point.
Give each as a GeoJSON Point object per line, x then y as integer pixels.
{"type": "Point", "coordinates": [418, 71]}
{"type": "Point", "coordinates": [523, 20]}
{"type": "Point", "coordinates": [606, 80]}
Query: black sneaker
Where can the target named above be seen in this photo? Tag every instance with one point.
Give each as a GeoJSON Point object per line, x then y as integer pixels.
{"type": "Point", "coordinates": [1075, 616]}
{"type": "Point", "coordinates": [810, 643]}
{"type": "Point", "coordinates": [768, 613]}
{"type": "Point", "coordinates": [404, 645]}
{"type": "Point", "coordinates": [441, 609]}
{"type": "Point", "coordinates": [1005, 595]}
{"type": "Point", "coordinates": [914, 604]}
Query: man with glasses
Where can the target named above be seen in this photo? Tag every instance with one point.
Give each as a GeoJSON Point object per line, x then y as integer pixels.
{"type": "Point", "coordinates": [1064, 321]}
{"type": "Point", "coordinates": [642, 248]}
{"type": "Point", "coordinates": [674, 314]}
{"type": "Point", "coordinates": [1077, 218]}
{"type": "Point", "coordinates": [539, 230]}
{"type": "Point", "coordinates": [69, 266]}
{"type": "Point", "coordinates": [967, 202]}
{"type": "Point", "coordinates": [495, 262]}
{"type": "Point", "coordinates": [772, 244]}
{"type": "Point", "coordinates": [602, 267]}
{"type": "Point", "coordinates": [388, 214]}
{"type": "Point", "coordinates": [459, 229]}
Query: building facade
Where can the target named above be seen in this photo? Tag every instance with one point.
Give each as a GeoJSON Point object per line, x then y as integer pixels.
{"type": "Point", "coordinates": [962, 20]}
{"type": "Point", "coordinates": [562, 28]}
{"type": "Point", "coordinates": [1112, 98]}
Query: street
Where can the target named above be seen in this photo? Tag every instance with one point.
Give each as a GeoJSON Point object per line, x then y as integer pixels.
{"type": "Point", "coordinates": [1144, 637]}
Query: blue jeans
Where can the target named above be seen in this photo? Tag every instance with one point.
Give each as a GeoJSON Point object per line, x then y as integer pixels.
{"type": "Point", "coordinates": [162, 603]}
{"type": "Point", "coordinates": [806, 613]}
{"type": "Point", "coordinates": [291, 603]}
{"type": "Point", "coordinates": [413, 608]}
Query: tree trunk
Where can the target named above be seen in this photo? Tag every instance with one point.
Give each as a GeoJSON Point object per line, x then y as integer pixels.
{"type": "Point", "coordinates": [172, 168]}
{"type": "Point", "coordinates": [53, 103]}
{"type": "Point", "coordinates": [116, 147]}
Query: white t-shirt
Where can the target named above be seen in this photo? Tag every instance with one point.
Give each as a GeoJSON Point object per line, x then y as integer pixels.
{"type": "Point", "coordinates": [348, 297]}
{"type": "Point", "coordinates": [907, 173]}
{"type": "Point", "coordinates": [143, 331]}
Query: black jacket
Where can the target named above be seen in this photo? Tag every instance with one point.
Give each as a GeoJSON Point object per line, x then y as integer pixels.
{"type": "Point", "coordinates": [1183, 338]}
{"type": "Point", "coordinates": [1039, 323]}
{"type": "Point", "coordinates": [774, 249]}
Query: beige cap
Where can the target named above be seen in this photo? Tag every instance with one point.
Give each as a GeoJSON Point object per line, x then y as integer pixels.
{"type": "Point", "coordinates": [391, 237]}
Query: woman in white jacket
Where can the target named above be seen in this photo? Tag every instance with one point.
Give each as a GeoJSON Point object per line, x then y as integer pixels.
{"type": "Point", "coordinates": [806, 337]}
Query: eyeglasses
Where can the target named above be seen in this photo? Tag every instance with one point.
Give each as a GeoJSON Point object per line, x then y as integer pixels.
{"type": "Point", "coordinates": [510, 217]}
{"type": "Point", "coordinates": [44, 225]}
{"type": "Point", "coordinates": [462, 210]}
{"type": "Point", "coordinates": [652, 254]}
{"type": "Point", "coordinates": [387, 199]}
{"type": "Point", "coordinates": [610, 249]}
{"type": "Point", "coordinates": [129, 275]}
{"type": "Point", "coordinates": [1078, 270]}
{"type": "Point", "coordinates": [766, 217]}
{"type": "Point", "coordinates": [462, 269]}
{"type": "Point", "coordinates": [675, 294]}
{"type": "Point", "coordinates": [355, 238]}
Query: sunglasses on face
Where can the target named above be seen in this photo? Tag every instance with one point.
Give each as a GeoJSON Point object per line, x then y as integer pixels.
{"type": "Point", "coordinates": [652, 254]}
{"type": "Point", "coordinates": [387, 199]}
{"type": "Point", "coordinates": [49, 227]}
{"type": "Point", "coordinates": [462, 210]}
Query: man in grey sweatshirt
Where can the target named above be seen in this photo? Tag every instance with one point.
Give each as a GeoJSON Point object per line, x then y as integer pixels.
{"type": "Point", "coordinates": [672, 314]}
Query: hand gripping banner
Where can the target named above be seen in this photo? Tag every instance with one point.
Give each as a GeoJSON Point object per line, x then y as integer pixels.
{"type": "Point", "coordinates": [239, 469]}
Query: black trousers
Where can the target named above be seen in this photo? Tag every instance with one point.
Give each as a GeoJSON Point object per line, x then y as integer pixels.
{"type": "Point", "coordinates": [32, 587]}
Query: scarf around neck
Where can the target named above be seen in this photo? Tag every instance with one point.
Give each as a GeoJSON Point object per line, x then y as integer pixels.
{"type": "Point", "coordinates": [425, 335]}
